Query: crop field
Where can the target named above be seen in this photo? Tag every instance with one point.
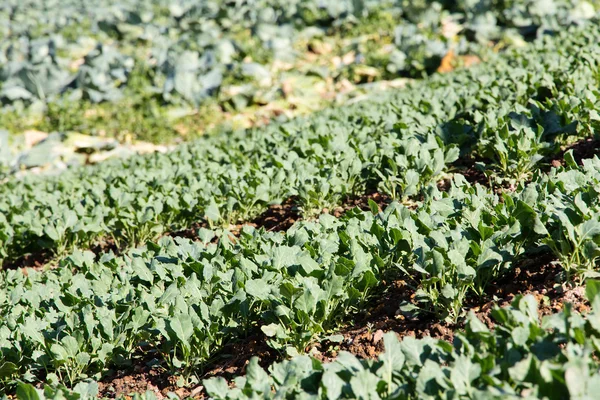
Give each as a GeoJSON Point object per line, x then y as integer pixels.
{"type": "Point", "coordinates": [301, 199]}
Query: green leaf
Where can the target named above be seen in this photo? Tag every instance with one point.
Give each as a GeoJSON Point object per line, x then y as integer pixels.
{"type": "Point", "coordinates": [538, 227]}
{"type": "Point", "coordinates": [570, 159]}
{"type": "Point", "coordinates": [212, 212]}
{"type": "Point", "coordinates": [87, 390]}
{"type": "Point", "coordinates": [449, 292]}
{"type": "Point", "coordinates": [257, 377]}
{"type": "Point", "coordinates": [430, 381]}
{"type": "Point", "coordinates": [142, 271]}
{"type": "Point", "coordinates": [182, 328]}
{"type": "Point", "coordinates": [32, 331]}
{"type": "Point", "coordinates": [576, 379]}
{"type": "Point", "coordinates": [393, 360]}
{"type": "Point", "coordinates": [284, 256]}
{"type": "Point", "coordinates": [216, 387]}
{"type": "Point", "coordinates": [592, 289]}
{"type": "Point", "coordinates": [332, 384]}
{"type": "Point", "coordinates": [51, 231]}
{"type": "Point", "coordinates": [258, 288]}
{"type": "Point", "coordinates": [475, 325]}
{"type": "Point", "coordinates": [71, 345]}
{"type": "Point", "coordinates": [83, 359]}
{"type": "Point", "coordinates": [590, 229]}
{"type": "Point", "coordinates": [335, 338]}
{"type": "Point", "coordinates": [520, 335]}
{"type": "Point", "coordinates": [463, 373]}
{"type": "Point", "coordinates": [271, 330]}
{"type": "Point", "coordinates": [8, 369]}
{"type": "Point", "coordinates": [364, 385]}
{"type": "Point", "coordinates": [412, 349]}
{"type": "Point", "coordinates": [27, 392]}
{"type": "Point", "coordinates": [521, 369]}
{"type": "Point", "coordinates": [374, 207]}
{"type": "Point", "coordinates": [59, 352]}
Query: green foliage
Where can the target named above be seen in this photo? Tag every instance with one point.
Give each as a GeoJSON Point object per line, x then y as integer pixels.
{"type": "Point", "coordinates": [67, 51]}
{"type": "Point", "coordinates": [399, 143]}
{"type": "Point", "coordinates": [188, 299]}
{"type": "Point", "coordinates": [575, 231]}
{"type": "Point", "coordinates": [184, 301]}
{"type": "Point", "coordinates": [520, 358]}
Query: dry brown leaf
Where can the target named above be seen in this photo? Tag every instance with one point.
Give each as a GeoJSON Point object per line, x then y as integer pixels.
{"type": "Point", "coordinates": [349, 58]}
{"type": "Point", "coordinates": [446, 64]}
{"type": "Point", "coordinates": [469, 60]}
{"type": "Point", "coordinates": [378, 336]}
{"type": "Point", "coordinates": [286, 88]}
{"type": "Point", "coordinates": [33, 137]}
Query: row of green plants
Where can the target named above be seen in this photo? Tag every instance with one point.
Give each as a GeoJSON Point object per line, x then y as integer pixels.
{"type": "Point", "coordinates": [180, 301]}
{"type": "Point", "coordinates": [509, 113]}
{"type": "Point", "coordinates": [520, 358]}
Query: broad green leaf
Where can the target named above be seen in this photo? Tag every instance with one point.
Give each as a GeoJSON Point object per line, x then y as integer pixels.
{"type": "Point", "coordinates": [182, 328]}
{"type": "Point", "coordinates": [258, 288]}
{"type": "Point", "coordinates": [592, 289]}
{"type": "Point", "coordinates": [216, 387]}
{"type": "Point", "coordinates": [27, 392]}
{"type": "Point", "coordinates": [393, 360]}
{"type": "Point", "coordinates": [8, 369]}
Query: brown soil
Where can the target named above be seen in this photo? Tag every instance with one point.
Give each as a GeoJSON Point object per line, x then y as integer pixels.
{"type": "Point", "coordinates": [36, 260]}
{"type": "Point", "coordinates": [586, 148]}
{"type": "Point", "coordinates": [278, 217]}
{"type": "Point", "coordinates": [474, 175]}
{"type": "Point", "coordinates": [231, 361]}
{"type": "Point", "coordinates": [583, 149]}
{"type": "Point", "coordinates": [471, 173]}
{"type": "Point", "coordinates": [139, 380]}
{"type": "Point", "coordinates": [43, 259]}
{"type": "Point", "coordinates": [381, 199]}
{"type": "Point", "coordinates": [190, 232]}
{"type": "Point", "coordinates": [363, 338]}
{"type": "Point", "coordinates": [444, 184]}
{"type": "Point", "coordinates": [107, 245]}
{"type": "Point", "coordinates": [537, 277]}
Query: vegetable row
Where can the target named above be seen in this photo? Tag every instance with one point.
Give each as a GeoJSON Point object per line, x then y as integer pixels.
{"type": "Point", "coordinates": [520, 358]}
{"type": "Point", "coordinates": [510, 113]}
{"type": "Point", "coordinates": [180, 301]}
